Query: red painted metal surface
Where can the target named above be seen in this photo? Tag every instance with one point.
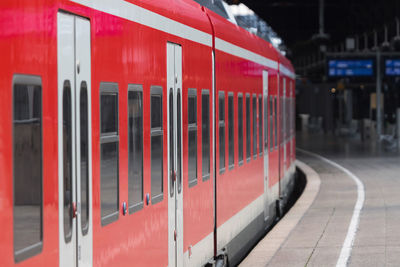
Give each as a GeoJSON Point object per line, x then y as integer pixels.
{"type": "Point", "coordinates": [129, 53]}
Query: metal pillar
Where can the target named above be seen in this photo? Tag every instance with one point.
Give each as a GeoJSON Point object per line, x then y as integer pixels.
{"type": "Point", "coordinates": [321, 17]}
{"type": "Point", "coordinates": [378, 95]}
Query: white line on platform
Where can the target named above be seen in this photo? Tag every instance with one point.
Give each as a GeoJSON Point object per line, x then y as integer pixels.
{"type": "Point", "coordinates": [355, 219]}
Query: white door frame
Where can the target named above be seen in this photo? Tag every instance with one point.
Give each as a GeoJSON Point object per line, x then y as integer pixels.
{"type": "Point", "coordinates": [175, 183]}
{"type": "Point", "coordinates": [74, 65]}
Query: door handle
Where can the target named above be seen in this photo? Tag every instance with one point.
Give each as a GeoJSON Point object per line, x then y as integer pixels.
{"type": "Point", "coordinates": [74, 210]}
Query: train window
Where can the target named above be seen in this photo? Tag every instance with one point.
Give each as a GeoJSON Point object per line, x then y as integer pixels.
{"type": "Point", "coordinates": [248, 136]}
{"type": "Point", "coordinates": [260, 122]}
{"type": "Point", "coordinates": [84, 160]}
{"type": "Point", "coordinates": [156, 114]}
{"type": "Point", "coordinates": [240, 127]}
{"type": "Point", "coordinates": [109, 149]}
{"type": "Point", "coordinates": [255, 126]}
{"type": "Point", "coordinates": [271, 122]}
{"type": "Point", "coordinates": [205, 135]}
{"type": "Point", "coordinates": [276, 121]}
{"type": "Point", "coordinates": [192, 137]}
{"type": "Point", "coordinates": [265, 124]}
{"type": "Point", "coordinates": [230, 130]}
{"type": "Point", "coordinates": [135, 147]}
{"type": "Point", "coordinates": [27, 166]}
{"type": "Point", "coordinates": [67, 160]}
{"type": "Point", "coordinates": [221, 105]}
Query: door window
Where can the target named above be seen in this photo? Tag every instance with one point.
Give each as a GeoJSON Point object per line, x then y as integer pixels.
{"type": "Point", "coordinates": [27, 166]}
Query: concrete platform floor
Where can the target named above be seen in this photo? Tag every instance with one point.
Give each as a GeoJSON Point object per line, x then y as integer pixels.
{"type": "Point", "coordinates": [318, 237]}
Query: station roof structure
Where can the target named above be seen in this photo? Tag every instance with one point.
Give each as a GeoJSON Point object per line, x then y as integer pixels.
{"type": "Point", "coordinates": [297, 21]}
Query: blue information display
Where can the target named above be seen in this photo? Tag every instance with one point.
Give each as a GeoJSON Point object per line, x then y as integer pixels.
{"type": "Point", "coordinates": [392, 67]}
{"type": "Point", "coordinates": [350, 67]}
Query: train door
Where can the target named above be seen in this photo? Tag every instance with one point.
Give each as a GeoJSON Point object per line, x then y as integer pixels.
{"type": "Point", "coordinates": [265, 96]}
{"type": "Point", "coordinates": [175, 189]}
{"type": "Point", "coordinates": [74, 141]}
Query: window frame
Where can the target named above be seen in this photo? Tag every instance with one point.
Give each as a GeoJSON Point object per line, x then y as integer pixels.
{"type": "Point", "coordinates": [67, 85]}
{"type": "Point", "coordinates": [192, 127]}
{"type": "Point", "coordinates": [240, 162]}
{"type": "Point", "coordinates": [254, 111]}
{"type": "Point", "coordinates": [221, 123]}
{"type": "Point", "coordinates": [248, 127]}
{"type": "Point", "coordinates": [136, 206]}
{"type": "Point", "coordinates": [157, 131]}
{"type": "Point", "coordinates": [35, 249]}
{"type": "Point", "coordinates": [206, 176]}
{"type": "Point", "coordinates": [266, 125]}
{"type": "Point", "coordinates": [85, 227]}
{"type": "Point", "coordinates": [106, 138]}
{"type": "Point", "coordinates": [271, 123]}
{"type": "Point", "coordinates": [231, 128]}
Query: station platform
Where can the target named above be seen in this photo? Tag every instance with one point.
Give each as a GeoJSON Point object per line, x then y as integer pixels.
{"type": "Point", "coordinates": [348, 214]}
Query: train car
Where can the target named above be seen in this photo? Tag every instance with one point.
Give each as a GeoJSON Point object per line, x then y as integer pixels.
{"type": "Point", "coordinates": [138, 133]}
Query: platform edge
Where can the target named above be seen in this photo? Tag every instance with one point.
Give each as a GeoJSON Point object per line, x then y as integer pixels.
{"type": "Point", "coordinates": [264, 251]}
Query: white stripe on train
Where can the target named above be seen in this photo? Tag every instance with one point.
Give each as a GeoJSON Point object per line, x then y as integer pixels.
{"type": "Point", "coordinates": [156, 21]}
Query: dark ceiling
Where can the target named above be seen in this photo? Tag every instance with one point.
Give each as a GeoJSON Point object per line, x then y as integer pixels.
{"type": "Point", "coordinates": [296, 21]}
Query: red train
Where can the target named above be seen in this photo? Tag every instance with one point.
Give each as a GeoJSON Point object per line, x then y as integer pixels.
{"type": "Point", "coordinates": [138, 133]}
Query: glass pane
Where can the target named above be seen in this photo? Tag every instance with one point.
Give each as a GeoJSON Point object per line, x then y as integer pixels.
{"type": "Point", "coordinates": [156, 165]}
{"type": "Point", "coordinates": [222, 107]}
{"type": "Point", "coordinates": [192, 106]}
{"type": "Point", "coordinates": [67, 161]}
{"type": "Point", "coordinates": [205, 135]}
{"type": "Point", "coordinates": [265, 123]}
{"type": "Point", "coordinates": [254, 125]}
{"type": "Point", "coordinates": [192, 161]}
{"type": "Point", "coordinates": [27, 169]}
{"type": "Point", "coordinates": [221, 131]}
{"type": "Point", "coordinates": [230, 130]}
{"type": "Point", "coordinates": [156, 111]}
{"type": "Point", "coordinates": [248, 134]}
{"type": "Point", "coordinates": [109, 113]}
{"type": "Point", "coordinates": [179, 134]}
{"type": "Point", "coordinates": [84, 158]}
{"type": "Point", "coordinates": [271, 122]}
{"type": "Point", "coordinates": [109, 179]}
{"type": "Point", "coordinates": [135, 134]}
{"type": "Point", "coordinates": [221, 148]}
{"type": "Point", "coordinates": [240, 127]}
{"type": "Point", "coordinates": [260, 122]}
{"type": "Point", "coordinates": [192, 142]}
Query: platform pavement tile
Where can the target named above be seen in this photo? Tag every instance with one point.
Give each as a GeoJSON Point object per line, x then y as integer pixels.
{"type": "Point", "coordinates": [392, 256]}
{"type": "Point", "coordinates": [306, 233]}
{"type": "Point", "coordinates": [371, 256]}
{"type": "Point", "coordinates": [294, 257]}
{"type": "Point", "coordinates": [324, 257]}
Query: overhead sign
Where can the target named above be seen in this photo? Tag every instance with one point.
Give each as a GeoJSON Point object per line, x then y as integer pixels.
{"type": "Point", "coordinates": [350, 67]}
{"type": "Point", "coordinates": [392, 67]}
